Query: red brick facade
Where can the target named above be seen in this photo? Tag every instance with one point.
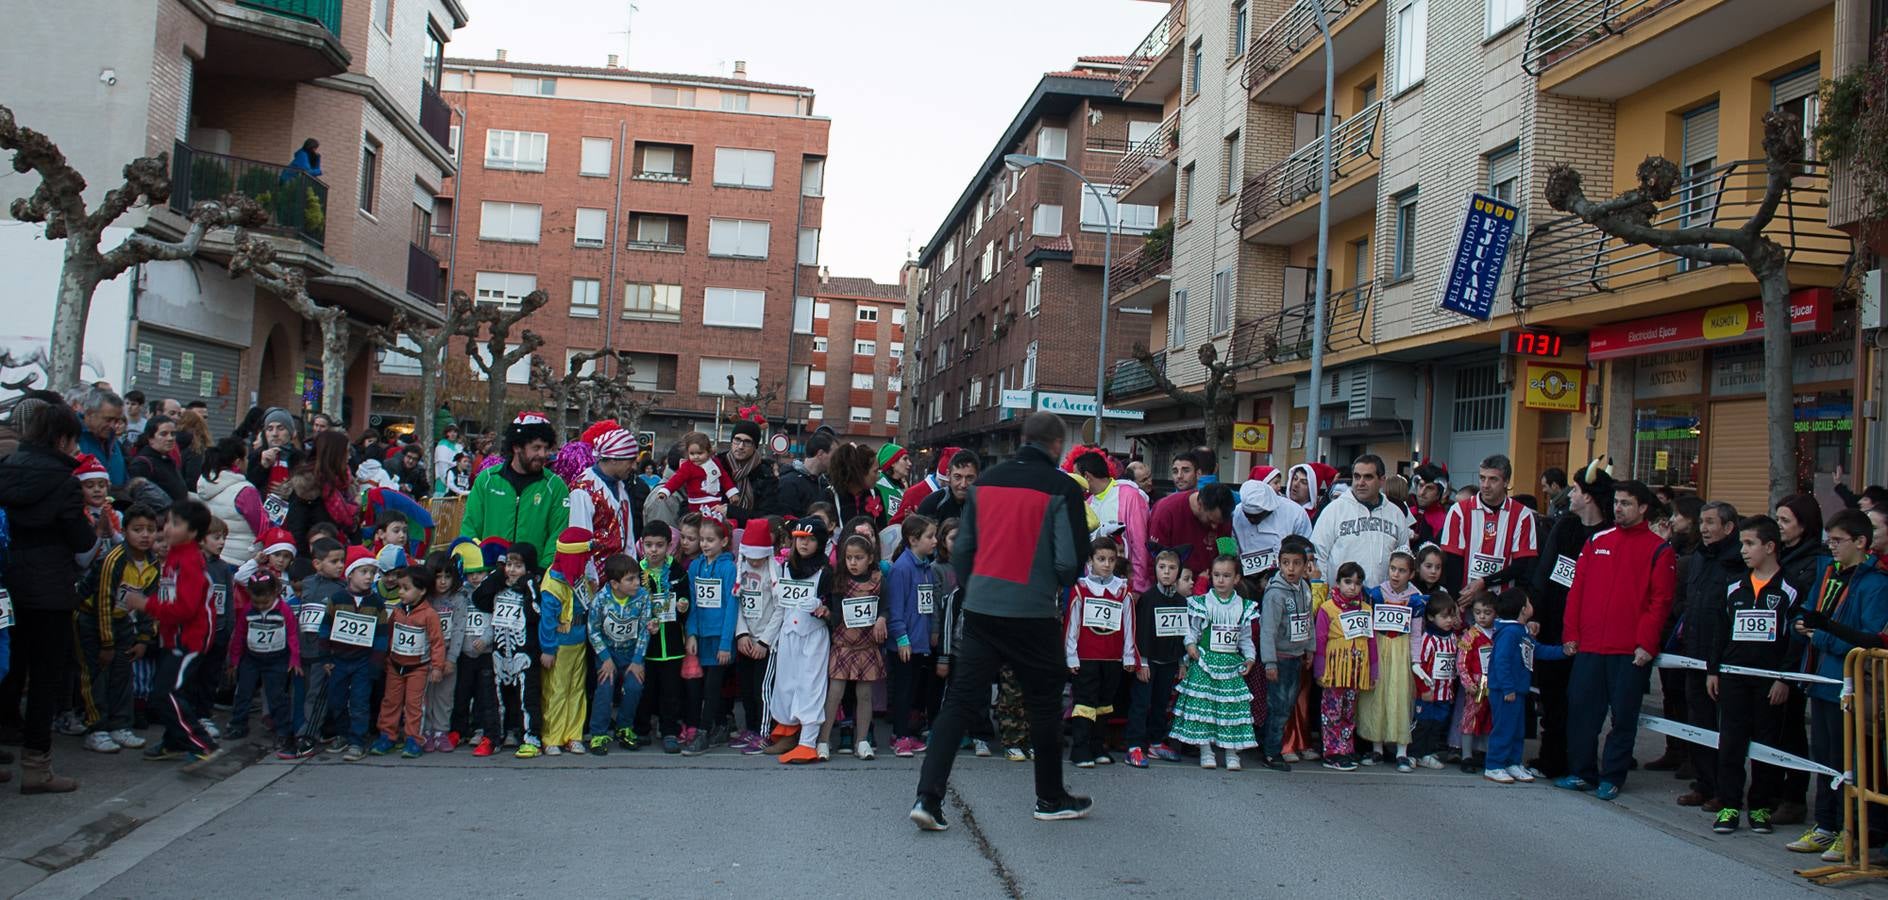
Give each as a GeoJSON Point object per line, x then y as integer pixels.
{"type": "Point", "coordinates": [847, 311]}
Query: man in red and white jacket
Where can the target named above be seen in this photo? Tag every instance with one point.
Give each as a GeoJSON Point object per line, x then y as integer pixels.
{"type": "Point", "coordinates": [1622, 591]}
{"type": "Point", "coordinates": [185, 614]}
{"type": "Point", "coordinates": [1488, 540]}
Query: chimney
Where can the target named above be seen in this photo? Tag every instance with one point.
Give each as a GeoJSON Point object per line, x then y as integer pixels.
{"type": "Point", "coordinates": [825, 275]}
{"type": "Point", "coordinates": [740, 68]}
{"type": "Point", "coordinates": [501, 54]}
{"type": "Point", "coordinates": [612, 63]}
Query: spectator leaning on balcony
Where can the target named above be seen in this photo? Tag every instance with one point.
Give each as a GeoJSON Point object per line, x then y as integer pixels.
{"type": "Point", "coordinates": [307, 159]}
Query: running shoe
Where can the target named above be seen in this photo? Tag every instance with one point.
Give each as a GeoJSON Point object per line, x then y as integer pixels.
{"type": "Point", "coordinates": [1761, 821]}
{"type": "Point", "coordinates": [1136, 758]}
{"type": "Point", "coordinates": [981, 747]}
{"type": "Point", "coordinates": [383, 745]}
{"type": "Point", "coordinates": [1163, 753]}
{"type": "Point", "coordinates": [483, 748]}
{"type": "Point", "coordinates": [600, 745]}
{"type": "Point", "coordinates": [928, 814]}
{"type": "Point", "coordinates": [100, 742]}
{"type": "Point", "coordinates": [128, 739]}
{"type": "Point", "coordinates": [1068, 806]}
{"type": "Point", "coordinates": [412, 750]}
{"type": "Point", "coordinates": [1814, 840]}
{"type": "Point", "coordinates": [1727, 821]}
{"type": "Point", "coordinates": [1498, 776]}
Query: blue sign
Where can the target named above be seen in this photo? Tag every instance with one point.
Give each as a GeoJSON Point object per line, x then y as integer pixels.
{"type": "Point", "coordinates": [1480, 253]}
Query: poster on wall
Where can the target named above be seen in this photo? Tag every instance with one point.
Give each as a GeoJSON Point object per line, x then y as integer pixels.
{"type": "Point", "coordinates": [163, 371]}
{"type": "Point", "coordinates": [144, 356]}
{"type": "Point", "coordinates": [1555, 388]}
{"type": "Point", "coordinates": [1481, 251]}
{"type": "Point", "coordinates": [1252, 437]}
{"type": "Point", "coordinates": [186, 365]}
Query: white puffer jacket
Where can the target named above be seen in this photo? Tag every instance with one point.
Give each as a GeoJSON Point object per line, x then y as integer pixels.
{"type": "Point", "coordinates": [220, 496]}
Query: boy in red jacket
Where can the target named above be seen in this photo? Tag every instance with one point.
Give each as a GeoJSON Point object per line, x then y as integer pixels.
{"type": "Point", "coordinates": [185, 614]}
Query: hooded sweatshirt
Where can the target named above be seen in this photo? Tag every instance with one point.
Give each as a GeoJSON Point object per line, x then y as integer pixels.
{"type": "Point", "coordinates": [912, 604]}
{"type": "Point", "coordinates": [1261, 522]}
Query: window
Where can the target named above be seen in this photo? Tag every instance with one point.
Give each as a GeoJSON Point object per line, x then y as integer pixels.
{"type": "Point", "coordinates": [1052, 143]}
{"type": "Point", "coordinates": [1177, 319]}
{"type": "Point", "coordinates": [587, 367]}
{"type": "Point", "coordinates": [1796, 93]}
{"type": "Point", "coordinates": [737, 237]}
{"type": "Point", "coordinates": [597, 153]}
{"type": "Point", "coordinates": [822, 310]}
{"type": "Point", "coordinates": [1029, 367]}
{"type": "Point", "coordinates": [584, 294]}
{"type": "Point", "coordinates": [1412, 29]}
{"type": "Point", "coordinates": [1032, 292]}
{"type": "Point", "coordinates": [819, 345]}
{"type": "Point", "coordinates": [1504, 173]}
{"type": "Point", "coordinates": [383, 15]}
{"type": "Point", "coordinates": [986, 262]}
{"type": "Point", "coordinates": [452, 142]}
{"type": "Point", "coordinates": [802, 315]}
{"type": "Point", "coordinates": [864, 348]}
{"type": "Point", "coordinates": [798, 377]}
{"type": "Point", "coordinates": [669, 96]}
{"type": "Point", "coordinates": [422, 214]}
{"type": "Point", "coordinates": [501, 221]}
{"type": "Point", "coordinates": [539, 87]}
{"type": "Point", "coordinates": [1481, 404]}
{"type": "Point", "coordinates": [392, 363]}
{"type": "Point", "coordinates": [1196, 61]}
{"type": "Point", "coordinates": [523, 150]}
{"type": "Point", "coordinates": [370, 172]}
{"type": "Point", "coordinates": [733, 307]}
{"type": "Point", "coordinates": [815, 412]}
{"type": "Point", "coordinates": [505, 289]}
{"type": "Point", "coordinates": [655, 302]}
{"type": "Point", "coordinates": [590, 225]}
{"type": "Point", "coordinates": [863, 381]}
{"type": "Point", "coordinates": [1185, 206]}
{"type": "Point", "coordinates": [813, 176]}
{"type": "Point", "coordinates": [433, 61]}
{"type": "Point", "coordinates": [809, 246]}
{"type": "Point", "coordinates": [1229, 165]}
{"type": "Point", "coordinates": [1699, 155]}
{"type": "Point", "coordinates": [817, 378]}
{"type": "Point", "coordinates": [891, 415]}
{"type": "Point", "coordinates": [1047, 222]}
{"type": "Point", "coordinates": [452, 81]}
{"type": "Point", "coordinates": [744, 168]}
{"type": "Point", "coordinates": [1360, 263]}
{"type": "Point", "coordinates": [950, 254]}
{"type": "Point", "coordinates": [943, 306]}
{"type": "Point", "coordinates": [734, 101]}
{"type": "Point", "coordinates": [1502, 13]}
{"type": "Point", "coordinates": [896, 349]}
{"type": "Point", "coordinates": [866, 313]}
{"type": "Point", "coordinates": [1128, 218]}
{"type": "Point", "coordinates": [1222, 301]}
{"type": "Point", "coordinates": [715, 373]}
{"type": "Point", "coordinates": [862, 414]}
{"type": "Point", "coordinates": [655, 232]}
{"type": "Point", "coordinates": [898, 317]}
{"type": "Point", "coordinates": [894, 384]}
{"type": "Point", "coordinates": [649, 371]}
{"type": "Point", "coordinates": [517, 373]}
{"type": "Point", "coordinates": [1240, 22]}
{"type": "Point", "coordinates": [1403, 255]}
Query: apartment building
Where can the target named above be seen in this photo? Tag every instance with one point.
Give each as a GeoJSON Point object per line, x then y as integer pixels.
{"type": "Point", "coordinates": [855, 379]}
{"type": "Point", "coordinates": [230, 91]}
{"type": "Point", "coordinates": [1008, 315]}
{"type": "Point", "coordinates": [673, 219]}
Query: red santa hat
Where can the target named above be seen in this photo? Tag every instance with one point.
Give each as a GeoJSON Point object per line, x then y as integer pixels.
{"type": "Point", "coordinates": [615, 444]}
{"type": "Point", "coordinates": [598, 430]}
{"type": "Point", "coordinates": [276, 540]}
{"type": "Point", "coordinates": [358, 557]}
{"type": "Point", "coordinates": [757, 540]}
{"type": "Point", "coordinates": [944, 458]}
{"type": "Point", "coordinates": [89, 467]}
{"type": "Point", "coordinates": [1272, 474]}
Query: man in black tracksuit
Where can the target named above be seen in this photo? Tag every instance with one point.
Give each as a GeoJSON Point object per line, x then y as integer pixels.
{"type": "Point", "coordinates": [1590, 511]}
{"type": "Point", "coordinates": [1704, 578]}
{"type": "Point", "coordinates": [1753, 632]}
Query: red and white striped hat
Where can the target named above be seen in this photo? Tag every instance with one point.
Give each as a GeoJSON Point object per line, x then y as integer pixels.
{"type": "Point", "coordinates": [617, 444]}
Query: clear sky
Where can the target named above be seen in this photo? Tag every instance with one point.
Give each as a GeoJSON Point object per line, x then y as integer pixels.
{"type": "Point", "coordinates": [917, 92]}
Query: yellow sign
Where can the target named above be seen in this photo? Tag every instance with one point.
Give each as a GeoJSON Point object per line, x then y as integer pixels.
{"type": "Point", "coordinates": [1662, 460]}
{"type": "Point", "coordinates": [1724, 322]}
{"type": "Point", "coordinates": [1556, 388]}
{"type": "Point", "coordinates": [1252, 437]}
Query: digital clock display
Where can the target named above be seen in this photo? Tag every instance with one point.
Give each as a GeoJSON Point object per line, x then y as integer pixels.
{"type": "Point", "coordinates": [1531, 342]}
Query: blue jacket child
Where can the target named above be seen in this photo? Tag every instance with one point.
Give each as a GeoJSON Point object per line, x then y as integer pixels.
{"type": "Point", "coordinates": [1510, 677]}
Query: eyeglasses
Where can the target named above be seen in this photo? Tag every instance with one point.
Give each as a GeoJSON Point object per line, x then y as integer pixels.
{"type": "Point", "coordinates": [742, 440]}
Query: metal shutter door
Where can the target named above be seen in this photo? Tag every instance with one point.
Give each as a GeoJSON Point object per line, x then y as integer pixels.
{"type": "Point", "coordinates": [1795, 86]}
{"type": "Point", "coordinates": [162, 374]}
{"type": "Point", "coordinates": [1737, 454]}
{"type": "Point", "coordinates": [1701, 135]}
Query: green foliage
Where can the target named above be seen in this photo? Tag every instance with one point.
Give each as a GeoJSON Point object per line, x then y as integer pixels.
{"type": "Point", "coordinates": [1160, 240]}
{"type": "Point", "coordinates": [1852, 128]}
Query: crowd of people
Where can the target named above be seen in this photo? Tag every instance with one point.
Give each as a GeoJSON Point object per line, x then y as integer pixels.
{"type": "Point", "coordinates": [600, 597]}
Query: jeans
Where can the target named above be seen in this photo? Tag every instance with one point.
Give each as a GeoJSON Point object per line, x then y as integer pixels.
{"type": "Point", "coordinates": [623, 685]}
{"type": "Point", "coordinates": [1604, 683]}
{"type": "Point", "coordinates": [351, 682]}
{"type": "Point", "coordinates": [272, 672]}
{"type": "Point", "coordinates": [1281, 697]}
{"type": "Point", "coordinates": [1147, 705]}
{"type": "Point", "coordinates": [1033, 650]}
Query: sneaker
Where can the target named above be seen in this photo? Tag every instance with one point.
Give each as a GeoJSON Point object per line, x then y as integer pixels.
{"type": "Point", "coordinates": [528, 751]}
{"type": "Point", "coordinates": [128, 739]}
{"type": "Point", "coordinates": [483, 748]}
{"type": "Point", "coordinates": [800, 755]}
{"type": "Point", "coordinates": [1727, 821]}
{"type": "Point", "coordinates": [1837, 850]}
{"type": "Point", "coordinates": [1371, 759]}
{"type": "Point", "coordinates": [1406, 765]}
{"type": "Point", "coordinates": [916, 744]}
{"type": "Point", "coordinates": [286, 748]}
{"type": "Point", "coordinates": [338, 744]}
{"type": "Point", "coordinates": [202, 759]}
{"type": "Point", "coordinates": [824, 751]}
{"type": "Point", "coordinates": [670, 744]}
{"type": "Point", "coordinates": [100, 742]}
{"type": "Point", "coordinates": [1275, 763]}
{"type": "Point", "coordinates": [1521, 774]}
{"type": "Point", "coordinates": [1015, 754]}
{"type": "Point", "coordinates": [1163, 753]}
{"type": "Point", "coordinates": [1815, 840]}
{"type": "Point", "coordinates": [1085, 764]}
{"type": "Point", "coordinates": [159, 753]}
{"type": "Point", "coordinates": [1232, 761]}
{"type": "Point", "coordinates": [697, 746]}
{"type": "Point", "coordinates": [720, 735]}
{"type": "Point", "coordinates": [383, 745]}
{"type": "Point", "coordinates": [69, 724]}
{"type": "Point", "coordinates": [1340, 763]}
{"type": "Point", "coordinates": [1103, 759]}
{"type": "Point", "coordinates": [1572, 783]}
{"type": "Point", "coordinates": [1136, 758]}
{"type": "Point", "coordinates": [1430, 762]}
{"type": "Point", "coordinates": [1288, 757]}
{"type": "Point", "coordinates": [209, 728]}
{"type": "Point", "coordinates": [553, 750]}
{"type": "Point", "coordinates": [306, 747]}
{"type": "Point", "coordinates": [1498, 776]}
{"type": "Point", "coordinates": [575, 747]}
{"type": "Point", "coordinates": [901, 747]}
{"type": "Point", "coordinates": [1607, 791]}
{"type": "Point", "coordinates": [1469, 766]}
{"type": "Point", "coordinates": [355, 753]}
{"type": "Point", "coordinates": [1761, 821]}
{"type": "Point", "coordinates": [1308, 754]}
{"type": "Point", "coordinates": [512, 740]}
{"type": "Point", "coordinates": [412, 750]}
{"type": "Point", "coordinates": [236, 734]}
{"type": "Point", "coordinates": [864, 751]}
{"type": "Point", "coordinates": [981, 746]}
{"type": "Point", "coordinates": [453, 740]}
{"type": "Point", "coordinates": [600, 745]}
{"type": "Point", "coordinates": [626, 739]}
{"type": "Point", "coordinates": [1206, 759]}
{"type": "Point", "coordinates": [928, 814]}
{"type": "Point", "coordinates": [1068, 806]}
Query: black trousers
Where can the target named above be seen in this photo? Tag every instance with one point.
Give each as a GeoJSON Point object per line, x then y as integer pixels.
{"type": "Point", "coordinates": [475, 698]}
{"type": "Point", "coordinates": [750, 672]}
{"type": "Point", "coordinates": [1676, 706]}
{"type": "Point", "coordinates": [1746, 716]}
{"type": "Point", "coordinates": [704, 696]}
{"type": "Point", "coordinates": [1702, 711]}
{"type": "Point", "coordinates": [1794, 739]}
{"type": "Point", "coordinates": [662, 697]}
{"type": "Point", "coordinates": [42, 655]}
{"type": "Point", "coordinates": [1032, 648]}
{"type": "Point", "coordinates": [176, 692]}
{"type": "Point", "coordinates": [1094, 690]}
{"type": "Point", "coordinates": [1551, 677]}
{"type": "Point", "coordinates": [523, 702]}
{"type": "Point", "coordinates": [910, 683]}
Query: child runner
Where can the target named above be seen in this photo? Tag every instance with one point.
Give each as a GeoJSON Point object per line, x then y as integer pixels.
{"type": "Point", "coordinates": [796, 669]}
{"type": "Point", "coordinates": [711, 578]}
{"type": "Point", "coordinates": [1472, 660]}
{"type": "Point", "coordinates": [1214, 706]}
{"type": "Point", "coordinates": [1434, 666]}
{"type": "Point", "coordinates": [1751, 708]}
{"type": "Point", "coordinates": [447, 596]}
{"type": "Point", "coordinates": [859, 627]}
{"type": "Point", "coordinates": [1346, 664]}
{"type": "Point", "coordinates": [515, 653]}
{"type": "Point", "coordinates": [1510, 678]}
{"type": "Point", "coordinates": [911, 626]}
{"type": "Point", "coordinates": [416, 657]}
{"type": "Point", "coordinates": [666, 580]}
{"type": "Point", "coordinates": [1383, 714]}
{"type": "Point", "coordinates": [267, 650]}
{"type": "Point", "coordinates": [1285, 641]}
{"type": "Point", "coordinates": [182, 611]}
{"type": "Point", "coordinates": [475, 702]}
{"type": "Point", "coordinates": [619, 633]}
{"type": "Point", "coordinates": [108, 634]}
{"type": "Point", "coordinates": [1160, 633]}
{"type": "Point", "coordinates": [327, 583]}
{"type": "Point", "coordinates": [1098, 643]}
{"type": "Point", "coordinates": [757, 630]}
{"type": "Point", "coordinates": [563, 642]}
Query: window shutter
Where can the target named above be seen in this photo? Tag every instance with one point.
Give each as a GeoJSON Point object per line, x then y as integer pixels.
{"type": "Point", "coordinates": [1795, 86]}
{"type": "Point", "coordinates": [1504, 166]}
{"type": "Point", "coordinates": [1701, 134]}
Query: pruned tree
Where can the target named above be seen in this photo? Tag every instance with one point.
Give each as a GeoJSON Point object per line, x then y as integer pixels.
{"type": "Point", "coordinates": [498, 359]}
{"type": "Point", "coordinates": [596, 394]}
{"type": "Point", "coordinates": [255, 258]}
{"type": "Point", "coordinates": [428, 348]}
{"type": "Point", "coordinates": [1216, 399]}
{"type": "Point", "coordinates": [36, 359]}
{"type": "Point", "coordinates": [1630, 217]}
{"type": "Point", "coordinates": [59, 203]}
{"type": "Point", "coordinates": [758, 399]}
{"type": "Point", "coordinates": [562, 388]}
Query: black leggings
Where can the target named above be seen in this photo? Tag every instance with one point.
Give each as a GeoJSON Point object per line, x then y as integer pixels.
{"type": "Point", "coordinates": [751, 672]}
{"type": "Point", "coordinates": [704, 696]}
{"type": "Point", "coordinates": [475, 698]}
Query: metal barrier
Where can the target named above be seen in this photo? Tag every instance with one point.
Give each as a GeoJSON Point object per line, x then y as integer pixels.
{"type": "Point", "coordinates": [1864, 736]}
{"type": "Point", "coordinates": [447, 512]}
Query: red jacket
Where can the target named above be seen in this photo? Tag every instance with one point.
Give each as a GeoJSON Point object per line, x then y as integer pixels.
{"type": "Point", "coordinates": [183, 608]}
{"type": "Point", "coordinates": [1622, 591]}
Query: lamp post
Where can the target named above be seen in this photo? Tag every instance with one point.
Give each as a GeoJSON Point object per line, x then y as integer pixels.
{"type": "Point", "coordinates": [1322, 296]}
{"type": "Point", "coordinates": [1021, 161]}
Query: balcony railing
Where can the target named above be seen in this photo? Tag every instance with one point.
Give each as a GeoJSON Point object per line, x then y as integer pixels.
{"type": "Point", "coordinates": [1139, 266]}
{"type": "Point", "coordinates": [1167, 34]}
{"type": "Point", "coordinates": [1560, 28]}
{"type": "Point", "coordinates": [1285, 336]}
{"type": "Point", "coordinates": [435, 116]}
{"type": "Point", "coordinates": [680, 175]}
{"type": "Point", "coordinates": [326, 13]}
{"type": "Point", "coordinates": [1296, 177]}
{"type": "Point", "coordinates": [1150, 152]}
{"type": "Point", "coordinates": [1130, 377]}
{"type": "Point", "coordinates": [1294, 31]}
{"type": "Point", "coordinates": [1566, 259]}
{"type": "Point", "coordinates": [296, 203]}
{"type": "Point", "coordinates": [422, 273]}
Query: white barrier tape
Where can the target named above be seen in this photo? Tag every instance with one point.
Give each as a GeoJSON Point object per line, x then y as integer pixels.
{"type": "Point", "coordinates": [1674, 661]}
{"type": "Point", "coordinates": [1758, 752]}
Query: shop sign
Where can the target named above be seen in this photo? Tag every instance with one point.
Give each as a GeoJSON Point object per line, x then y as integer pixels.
{"type": "Point", "coordinates": [1082, 405]}
{"type": "Point", "coordinates": [1018, 399]}
{"type": "Point", "coordinates": [1481, 249]}
{"type": "Point", "coordinates": [1252, 437]}
{"type": "Point", "coordinates": [1810, 311]}
{"type": "Point", "coordinates": [1814, 358]}
{"type": "Point", "coordinates": [1555, 388]}
{"type": "Point", "coordinates": [1669, 374]}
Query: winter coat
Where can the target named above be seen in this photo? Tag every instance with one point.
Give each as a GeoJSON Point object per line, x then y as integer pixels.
{"type": "Point", "coordinates": [47, 524]}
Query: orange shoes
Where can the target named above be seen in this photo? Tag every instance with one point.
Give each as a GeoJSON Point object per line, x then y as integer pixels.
{"type": "Point", "coordinates": [800, 755]}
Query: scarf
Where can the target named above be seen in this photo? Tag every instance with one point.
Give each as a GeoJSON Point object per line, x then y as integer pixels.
{"type": "Point", "coordinates": [740, 472]}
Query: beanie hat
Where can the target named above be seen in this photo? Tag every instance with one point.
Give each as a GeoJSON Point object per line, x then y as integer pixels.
{"type": "Point", "coordinates": [494, 549]}
{"type": "Point", "coordinates": [944, 458]}
{"type": "Point", "coordinates": [276, 540]}
{"type": "Point", "coordinates": [619, 444]}
{"type": "Point", "coordinates": [358, 556]}
{"type": "Point", "coordinates": [279, 416]}
{"type": "Point", "coordinates": [757, 540]}
{"type": "Point", "coordinates": [529, 426]}
{"type": "Point", "coordinates": [598, 430]}
{"type": "Point", "coordinates": [90, 468]}
{"type": "Point", "coordinates": [750, 429]}
{"type": "Point", "coordinates": [391, 558]}
{"type": "Point", "coordinates": [1268, 474]}
{"type": "Point", "coordinates": [889, 454]}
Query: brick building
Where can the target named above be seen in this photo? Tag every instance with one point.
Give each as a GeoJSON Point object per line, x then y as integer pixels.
{"type": "Point", "coordinates": [1009, 287]}
{"type": "Point", "coordinates": [671, 218]}
{"type": "Point", "coordinates": [856, 380]}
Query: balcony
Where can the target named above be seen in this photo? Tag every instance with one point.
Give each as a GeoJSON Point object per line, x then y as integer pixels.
{"type": "Point", "coordinates": [657, 233]}
{"type": "Point", "coordinates": [1280, 204]}
{"type": "Point", "coordinates": [1130, 377]}
{"type": "Point", "coordinates": [1147, 170]}
{"type": "Point", "coordinates": [435, 116]}
{"type": "Point", "coordinates": [1285, 65]}
{"type": "Point", "coordinates": [1136, 276]}
{"type": "Point", "coordinates": [423, 275]}
{"type": "Point", "coordinates": [1606, 49]}
{"type": "Point", "coordinates": [294, 40]}
{"type": "Point", "coordinates": [1566, 259]}
{"type": "Point", "coordinates": [1154, 69]}
{"type": "Point", "coordinates": [678, 174]}
{"type": "Point", "coordinates": [1285, 336]}
{"type": "Point", "coordinates": [296, 202]}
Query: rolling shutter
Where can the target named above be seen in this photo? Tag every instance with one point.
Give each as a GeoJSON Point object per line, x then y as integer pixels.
{"type": "Point", "coordinates": [1795, 86]}
{"type": "Point", "coordinates": [1737, 454]}
{"type": "Point", "coordinates": [187, 368]}
{"type": "Point", "coordinates": [1701, 135]}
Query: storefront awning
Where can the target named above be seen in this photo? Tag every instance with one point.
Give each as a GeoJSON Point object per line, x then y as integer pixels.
{"type": "Point", "coordinates": [1811, 310]}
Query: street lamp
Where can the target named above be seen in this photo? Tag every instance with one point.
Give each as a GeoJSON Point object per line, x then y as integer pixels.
{"type": "Point", "coordinates": [1021, 161]}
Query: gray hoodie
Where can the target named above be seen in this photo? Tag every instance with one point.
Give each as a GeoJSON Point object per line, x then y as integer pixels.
{"type": "Point", "coordinates": [1284, 602]}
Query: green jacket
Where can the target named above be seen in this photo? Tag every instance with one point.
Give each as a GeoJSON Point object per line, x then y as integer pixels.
{"type": "Point", "coordinates": [494, 509]}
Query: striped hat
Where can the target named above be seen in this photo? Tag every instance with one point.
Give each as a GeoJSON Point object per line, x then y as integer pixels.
{"type": "Point", "coordinates": [618, 444]}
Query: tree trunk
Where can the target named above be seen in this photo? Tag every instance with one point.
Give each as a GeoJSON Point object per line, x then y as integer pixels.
{"type": "Point", "coordinates": [429, 401]}
{"type": "Point", "coordinates": [495, 393]}
{"type": "Point", "coordinates": [1779, 396]}
{"type": "Point", "coordinates": [333, 366]}
{"type": "Point", "coordinates": [77, 280]}
{"type": "Point", "coordinates": [1218, 424]}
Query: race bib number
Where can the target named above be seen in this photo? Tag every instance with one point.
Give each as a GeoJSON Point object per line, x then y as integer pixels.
{"type": "Point", "coordinates": [219, 596]}
{"type": "Point", "coordinates": [860, 612]}
{"type": "Point", "coordinates": [508, 614]}
{"type": "Point", "coordinates": [1223, 639]}
{"type": "Point", "coordinates": [1527, 655]}
{"type": "Point", "coordinates": [1258, 561]}
{"type": "Point", "coordinates": [927, 603]}
{"type": "Point", "coordinates": [1390, 618]}
{"type": "Point", "coordinates": [1563, 571]}
{"type": "Point", "coordinates": [410, 640]}
{"type": "Point", "coordinates": [664, 605]}
{"type": "Point", "coordinates": [1297, 628]}
{"type": "Point", "coordinates": [707, 595]}
{"type": "Point", "coordinates": [1754, 625]}
{"type": "Point", "coordinates": [275, 507]}
{"type": "Point", "coordinates": [1485, 655]}
{"type": "Point", "coordinates": [798, 595]}
{"type": "Point", "coordinates": [1443, 666]}
{"type": "Point", "coordinates": [618, 630]}
{"type": "Point", "coordinates": [267, 638]}
{"type": "Point", "coordinates": [310, 615]}
{"type": "Point", "coordinates": [353, 629]}
{"type": "Point", "coordinates": [6, 609]}
{"type": "Point", "coordinates": [750, 604]}
{"type": "Point", "coordinates": [1355, 623]}
{"type": "Point", "coordinates": [474, 622]}
{"type": "Point", "coordinates": [1482, 566]}
{"type": "Point", "coordinates": [1170, 621]}
{"type": "Point", "coordinates": [1101, 615]}
{"type": "Point", "coordinates": [122, 597]}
